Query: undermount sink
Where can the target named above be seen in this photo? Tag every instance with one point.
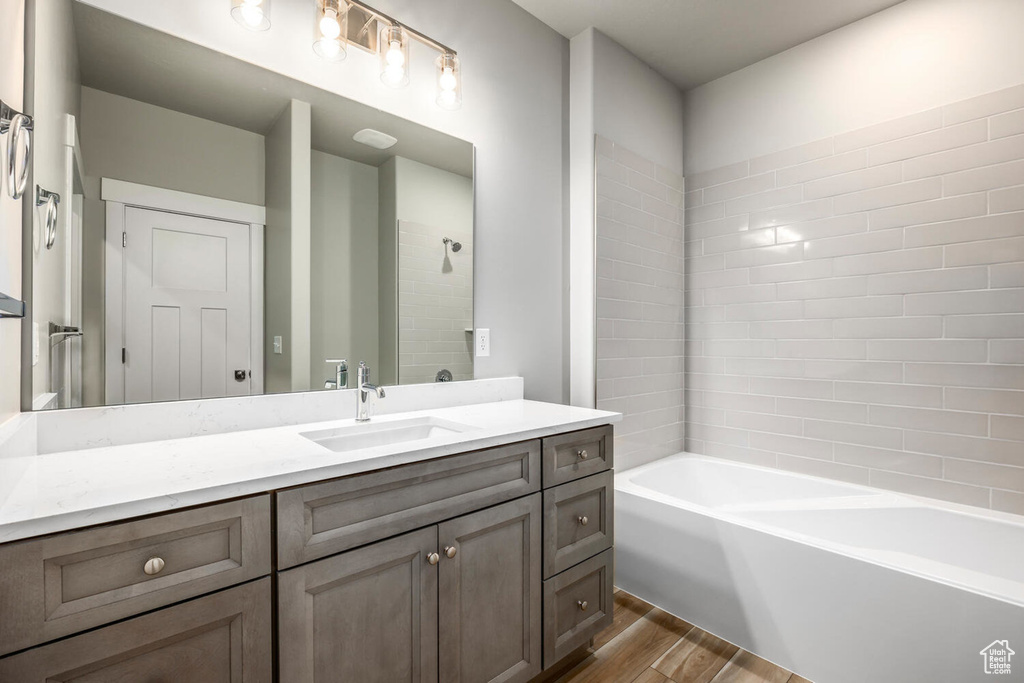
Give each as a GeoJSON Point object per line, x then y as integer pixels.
{"type": "Point", "coordinates": [373, 434]}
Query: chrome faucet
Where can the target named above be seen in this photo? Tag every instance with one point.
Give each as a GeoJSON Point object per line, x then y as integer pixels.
{"type": "Point", "coordinates": [340, 380]}
{"type": "Point", "coordinates": [363, 394]}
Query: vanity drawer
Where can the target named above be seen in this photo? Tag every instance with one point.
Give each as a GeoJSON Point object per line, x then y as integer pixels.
{"type": "Point", "coordinates": [577, 454]}
{"type": "Point", "coordinates": [577, 521]}
{"type": "Point", "coordinates": [58, 585]}
{"type": "Point", "coordinates": [221, 638]}
{"type": "Point", "coordinates": [322, 519]}
{"type": "Point", "coordinates": [577, 605]}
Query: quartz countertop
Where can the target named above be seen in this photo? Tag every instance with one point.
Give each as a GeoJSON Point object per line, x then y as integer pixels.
{"type": "Point", "coordinates": [66, 490]}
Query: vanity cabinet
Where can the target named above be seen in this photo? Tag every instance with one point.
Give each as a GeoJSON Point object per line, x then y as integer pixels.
{"type": "Point", "coordinates": [455, 602]}
{"type": "Point", "coordinates": [221, 638]}
{"type": "Point", "coordinates": [482, 567]}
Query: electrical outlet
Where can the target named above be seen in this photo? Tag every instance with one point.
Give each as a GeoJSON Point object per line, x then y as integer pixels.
{"type": "Point", "coordinates": [483, 342]}
{"type": "Point", "coordinates": [278, 345]}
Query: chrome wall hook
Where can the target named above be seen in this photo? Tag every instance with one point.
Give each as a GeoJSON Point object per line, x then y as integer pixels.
{"type": "Point", "coordinates": [52, 201]}
{"type": "Point", "coordinates": [20, 125]}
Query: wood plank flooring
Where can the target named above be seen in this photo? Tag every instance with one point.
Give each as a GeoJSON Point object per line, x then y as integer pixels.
{"type": "Point", "coordinates": [647, 645]}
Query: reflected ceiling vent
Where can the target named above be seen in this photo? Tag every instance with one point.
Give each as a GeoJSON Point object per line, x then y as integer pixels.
{"type": "Point", "coordinates": [374, 138]}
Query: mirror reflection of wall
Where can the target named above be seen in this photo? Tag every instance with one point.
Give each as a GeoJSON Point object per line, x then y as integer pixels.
{"type": "Point", "coordinates": [224, 234]}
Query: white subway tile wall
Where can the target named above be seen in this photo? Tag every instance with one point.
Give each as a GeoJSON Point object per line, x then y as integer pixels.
{"type": "Point", "coordinates": [641, 344]}
{"type": "Point", "coordinates": [435, 304]}
{"type": "Point", "coordinates": [855, 306]}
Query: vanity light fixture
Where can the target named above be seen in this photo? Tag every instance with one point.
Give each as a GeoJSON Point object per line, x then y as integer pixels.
{"type": "Point", "coordinates": [252, 14]}
{"type": "Point", "coordinates": [331, 30]}
{"type": "Point", "coordinates": [371, 30]}
{"type": "Point", "coordinates": [449, 81]}
{"type": "Point", "coordinates": [394, 56]}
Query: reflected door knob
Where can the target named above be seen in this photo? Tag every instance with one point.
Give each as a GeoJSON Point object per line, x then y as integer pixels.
{"type": "Point", "coordinates": [582, 604]}
{"type": "Point", "coordinates": [154, 566]}
{"type": "Point", "coordinates": [449, 551]}
{"type": "Point", "coordinates": [582, 519]}
{"type": "Point", "coordinates": [582, 454]}
{"type": "Point", "coordinates": [433, 558]}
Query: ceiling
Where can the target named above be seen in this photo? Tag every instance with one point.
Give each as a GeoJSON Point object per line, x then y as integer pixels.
{"type": "Point", "coordinates": [691, 42]}
{"type": "Point", "coordinates": [124, 58]}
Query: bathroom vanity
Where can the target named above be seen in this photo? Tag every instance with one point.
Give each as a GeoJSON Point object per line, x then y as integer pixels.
{"type": "Point", "coordinates": [461, 564]}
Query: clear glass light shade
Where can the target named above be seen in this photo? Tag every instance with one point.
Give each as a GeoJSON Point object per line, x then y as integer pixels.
{"type": "Point", "coordinates": [252, 14]}
{"type": "Point", "coordinates": [393, 47]}
{"type": "Point", "coordinates": [449, 82]}
{"type": "Point", "coordinates": [330, 30]}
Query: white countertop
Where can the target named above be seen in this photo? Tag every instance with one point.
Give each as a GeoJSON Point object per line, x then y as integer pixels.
{"type": "Point", "coordinates": [67, 490]}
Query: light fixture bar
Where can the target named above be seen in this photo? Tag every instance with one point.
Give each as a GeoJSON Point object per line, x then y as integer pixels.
{"type": "Point", "coordinates": [425, 39]}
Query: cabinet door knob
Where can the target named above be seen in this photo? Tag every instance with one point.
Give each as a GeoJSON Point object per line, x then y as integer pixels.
{"type": "Point", "coordinates": [449, 551]}
{"type": "Point", "coordinates": [582, 454]}
{"type": "Point", "coordinates": [154, 566]}
{"type": "Point", "coordinates": [582, 604]}
{"type": "Point", "coordinates": [433, 558]}
{"type": "Point", "coordinates": [582, 519]}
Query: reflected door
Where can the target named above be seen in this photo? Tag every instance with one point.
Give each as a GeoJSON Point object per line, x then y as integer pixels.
{"type": "Point", "coordinates": [187, 307]}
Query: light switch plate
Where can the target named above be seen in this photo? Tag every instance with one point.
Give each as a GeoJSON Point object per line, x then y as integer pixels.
{"type": "Point", "coordinates": [483, 342]}
{"type": "Point", "coordinates": [278, 344]}
{"type": "Point", "coordinates": [35, 344]}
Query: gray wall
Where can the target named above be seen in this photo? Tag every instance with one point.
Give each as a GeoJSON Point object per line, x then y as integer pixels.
{"type": "Point", "coordinates": [12, 65]}
{"type": "Point", "coordinates": [343, 294]}
{"type": "Point", "coordinates": [287, 266]}
{"type": "Point", "coordinates": [515, 110]}
{"type": "Point", "coordinates": [57, 94]}
{"type": "Point", "coordinates": [142, 143]}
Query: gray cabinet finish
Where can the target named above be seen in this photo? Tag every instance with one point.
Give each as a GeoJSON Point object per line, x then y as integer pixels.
{"type": "Point", "coordinates": [322, 519]}
{"type": "Point", "coordinates": [58, 585]}
{"type": "Point", "coordinates": [577, 454]}
{"type": "Point", "coordinates": [490, 594]}
{"type": "Point", "coordinates": [577, 605]}
{"type": "Point", "coordinates": [221, 638]}
{"type": "Point", "coordinates": [577, 521]}
{"type": "Point", "coordinates": [365, 615]}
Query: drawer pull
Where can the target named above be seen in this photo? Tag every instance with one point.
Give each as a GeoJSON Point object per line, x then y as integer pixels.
{"type": "Point", "coordinates": [433, 558]}
{"type": "Point", "coordinates": [582, 604]}
{"type": "Point", "coordinates": [582, 519]}
{"type": "Point", "coordinates": [154, 566]}
{"type": "Point", "coordinates": [582, 454]}
{"type": "Point", "coordinates": [449, 551]}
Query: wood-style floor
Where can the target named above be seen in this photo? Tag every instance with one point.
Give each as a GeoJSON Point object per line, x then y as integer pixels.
{"type": "Point", "coordinates": [646, 645]}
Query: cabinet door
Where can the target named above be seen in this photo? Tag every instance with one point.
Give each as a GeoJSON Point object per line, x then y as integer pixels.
{"type": "Point", "coordinates": [490, 593]}
{"type": "Point", "coordinates": [221, 638]}
{"type": "Point", "coordinates": [367, 615]}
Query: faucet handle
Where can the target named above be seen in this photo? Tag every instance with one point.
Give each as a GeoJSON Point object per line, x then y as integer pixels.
{"type": "Point", "coordinates": [338, 361]}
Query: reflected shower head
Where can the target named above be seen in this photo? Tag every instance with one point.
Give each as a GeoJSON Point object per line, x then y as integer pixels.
{"type": "Point", "coordinates": [456, 246]}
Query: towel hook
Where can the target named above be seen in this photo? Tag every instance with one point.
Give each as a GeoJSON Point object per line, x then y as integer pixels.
{"type": "Point", "coordinates": [52, 201]}
{"type": "Point", "coordinates": [18, 124]}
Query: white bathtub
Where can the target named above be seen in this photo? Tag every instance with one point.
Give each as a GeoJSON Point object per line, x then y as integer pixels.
{"type": "Point", "coordinates": [840, 583]}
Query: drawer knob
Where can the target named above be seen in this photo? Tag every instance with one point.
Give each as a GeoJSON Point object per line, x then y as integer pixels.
{"type": "Point", "coordinates": [582, 604]}
{"type": "Point", "coordinates": [582, 454]}
{"type": "Point", "coordinates": [433, 558]}
{"type": "Point", "coordinates": [449, 551]}
{"type": "Point", "coordinates": [582, 519]}
{"type": "Point", "coordinates": [154, 566]}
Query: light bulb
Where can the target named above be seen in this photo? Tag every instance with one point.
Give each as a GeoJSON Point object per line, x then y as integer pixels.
{"type": "Point", "coordinates": [448, 82]}
{"type": "Point", "coordinates": [329, 49]}
{"type": "Point", "coordinates": [252, 14]}
{"type": "Point", "coordinates": [446, 98]}
{"type": "Point", "coordinates": [329, 26]}
{"type": "Point", "coordinates": [395, 56]}
{"type": "Point", "coordinates": [394, 74]}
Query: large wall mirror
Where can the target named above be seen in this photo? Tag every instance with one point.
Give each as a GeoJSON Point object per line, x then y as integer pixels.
{"type": "Point", "coordinates": [223, 230]}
